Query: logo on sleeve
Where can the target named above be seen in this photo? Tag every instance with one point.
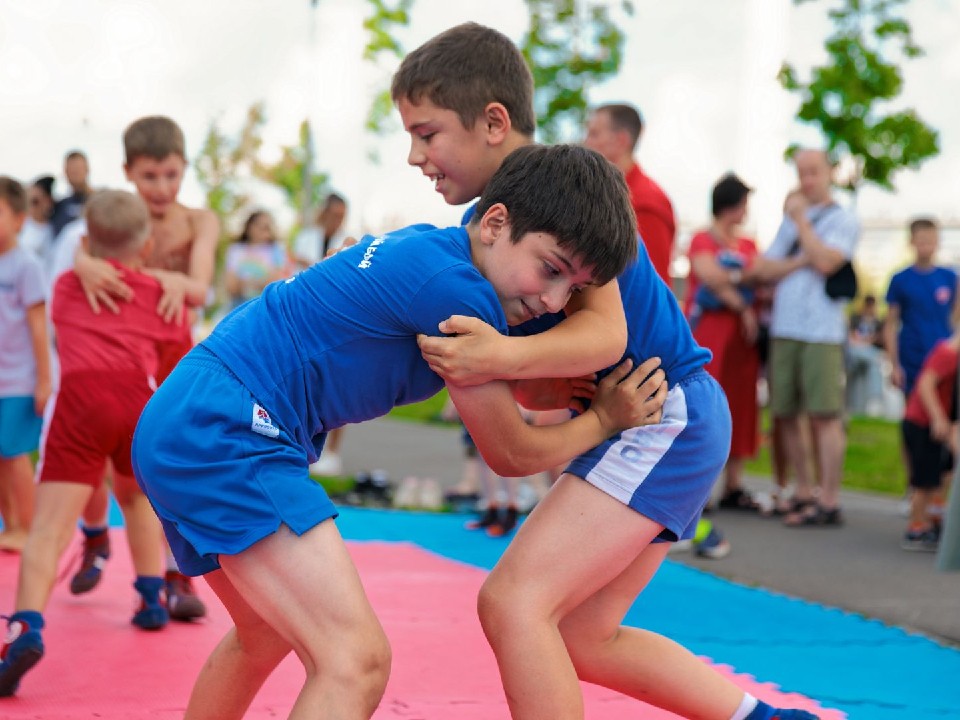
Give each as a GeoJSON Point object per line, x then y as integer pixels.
{"type": "Point", "coordinates": [262, 423]}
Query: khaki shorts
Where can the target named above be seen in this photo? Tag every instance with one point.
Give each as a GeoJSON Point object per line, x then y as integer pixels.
{"type": "Point", "coordinates": [806, 377]}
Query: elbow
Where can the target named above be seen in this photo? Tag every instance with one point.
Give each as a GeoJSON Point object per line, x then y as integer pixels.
{"type": "Point", "coordinates": [509, 464]}
{"type": "Point", "coordinates": [613, 347]}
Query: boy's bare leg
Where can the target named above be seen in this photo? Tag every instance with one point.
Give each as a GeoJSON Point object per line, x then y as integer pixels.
{"type": "Point", "coordinates": [16, 478]}
{"type": "Point", "coordinates": [59, 505]}
{"type": "Point", "coordinates": [587, 550]}
{"type": "Point", "coordinates": [96, 513]}
{"type": "Point", "coordinates": [302, 593]}
{"type": "Point", "coordinates": [142, 525]}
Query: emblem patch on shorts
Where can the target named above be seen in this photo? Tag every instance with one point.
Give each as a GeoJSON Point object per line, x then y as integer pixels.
{"type": "Point", "coordinates": [262, 423]}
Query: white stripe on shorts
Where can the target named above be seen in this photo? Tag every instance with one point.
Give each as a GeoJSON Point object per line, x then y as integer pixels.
{"type": "Point", "coordinates": [629, 460]}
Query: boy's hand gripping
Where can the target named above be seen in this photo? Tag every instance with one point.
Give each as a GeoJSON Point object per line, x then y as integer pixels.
{"type": "Point", "coordinates": [622, 401]}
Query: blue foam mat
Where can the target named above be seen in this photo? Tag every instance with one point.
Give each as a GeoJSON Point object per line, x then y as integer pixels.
{"type": "Point", "coordinates": [867, 669]}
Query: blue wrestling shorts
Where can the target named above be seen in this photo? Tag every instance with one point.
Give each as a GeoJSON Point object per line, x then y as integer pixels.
{"type": "Point", "coordinates": [219, 473]}
{"type": "Point", "coordinates": [666, 471]}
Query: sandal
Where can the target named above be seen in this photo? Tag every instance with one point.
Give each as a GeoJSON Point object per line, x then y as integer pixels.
{"type": "Point", "coordinates": [738, 499]}
{"type": "Point", "coordinates": [815, 516]}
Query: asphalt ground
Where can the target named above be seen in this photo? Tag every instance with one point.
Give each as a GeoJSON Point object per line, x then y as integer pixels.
{"type": "Point", "coordinates": [858, 567]}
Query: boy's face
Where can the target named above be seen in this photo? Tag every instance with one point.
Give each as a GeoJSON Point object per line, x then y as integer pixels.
{"type": "Point", "coordinates": [926, 241]}
{"type": "Point", "coordinates": [531, 277]}
{"type": "Point", "coordinates": [459, 161]}
{"type": "Point", "coordinates": [157, 181]}
{"type": "Point", "coordinates": [10, 224]}
{"type": "Point", "coordinates": [603, 138]}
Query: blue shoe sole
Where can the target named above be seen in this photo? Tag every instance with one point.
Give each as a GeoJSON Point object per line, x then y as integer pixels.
{"type": "Point", "coordinates": [151, 618]}
{"type": "Point", "coordinates": [17, 668]}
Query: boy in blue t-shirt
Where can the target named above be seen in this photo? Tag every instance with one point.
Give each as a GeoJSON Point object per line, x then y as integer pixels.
{"type": "Point", "coordinates": [921, 301]}
{"type": "Point", "coordinates": [552, 607]}
{"type": "Point", "coordinates": [223, 447]}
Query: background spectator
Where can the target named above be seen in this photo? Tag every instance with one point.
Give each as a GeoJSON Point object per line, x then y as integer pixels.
{"type": "Point", "coordinates": [723, 318]}
{"type": "Point", "coordinates": [313, 243]}
{"type": "Point", "coordinates": [255, 260]}
{"type": "Point", "coordinates": [614, 132]}
{"type": "Point", "coordinates": [77, 171]}
{"type": "Point", "coordinates": [865, 360]}
{"type": "Point", "coordinates": [36, 235]}
{"type": "Point", "coordinates": [808, 330]}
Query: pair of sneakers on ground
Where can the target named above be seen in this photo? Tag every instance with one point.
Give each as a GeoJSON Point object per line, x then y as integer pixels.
{"type": "Point", "coordinates": [182, 602]}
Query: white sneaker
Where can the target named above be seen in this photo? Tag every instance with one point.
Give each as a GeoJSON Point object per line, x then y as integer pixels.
{"type": "Point", "coordinates": [328, 464]}
{"type": "Point", "coordinates": [408, 493]}
{"type": "Point", "coordinates": [431, 496]}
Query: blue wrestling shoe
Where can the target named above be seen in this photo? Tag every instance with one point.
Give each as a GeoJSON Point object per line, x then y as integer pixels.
{"type": "Point", "coordinates": [765, 712]}
{"type": "Point", "coordinates": [151, 615]}
{"type": "Point", "coordinates": [22, 649]}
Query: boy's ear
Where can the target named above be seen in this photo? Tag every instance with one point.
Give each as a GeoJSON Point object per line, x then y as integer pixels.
{"type": "Point", "coordinates": [126, 171]}
{"type": "Point", "coordinates": [494, 223]}
{"type": "Point", "coordinates": [497, 119]}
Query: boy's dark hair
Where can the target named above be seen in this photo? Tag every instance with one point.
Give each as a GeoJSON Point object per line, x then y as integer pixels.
{"type": "Point", "coordinates": [154, 137]}
{"type": "Point", "coordinates": [118, 223]}
{"type": "Point", "coordinates": [573, 194]}
{"type": "Point", "coordinates": [13, 192]}
{"type": "Point", "coordinates": [464, 69]}
{"type": "Point", "coordinates": [624, 117]}
{"type": "Point", "coordinates": [333, 199]}
{"type": "Point", "coordinates": [922, 223]}
{"type": "Point", "coordinates": [45, 183]}
{"type": "Point", "coordinates": [75, 155]}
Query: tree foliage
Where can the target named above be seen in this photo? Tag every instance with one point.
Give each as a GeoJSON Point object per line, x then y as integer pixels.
{"type": "Point", "coordinates": [849, 97]}
{"type": "Point", "coordinates": [570, 45]}
{"type": "Point", "coordinates": [381, 43]}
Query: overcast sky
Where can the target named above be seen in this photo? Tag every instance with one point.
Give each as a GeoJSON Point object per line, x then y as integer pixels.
{"type": "Point", "coordinates": [74, 73]}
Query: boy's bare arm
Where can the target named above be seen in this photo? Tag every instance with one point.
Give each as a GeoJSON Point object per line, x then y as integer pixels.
{"type": "Point", "coordinates": [593, 336]}
{"type": "Point", "coordinates": [37, 323]}
{"type": "Point", "coordinates": [890, 328]}
{"type": "Point", "coordinates": [512, 448]}
{"type": "Point", "coordinates": [940, 425]}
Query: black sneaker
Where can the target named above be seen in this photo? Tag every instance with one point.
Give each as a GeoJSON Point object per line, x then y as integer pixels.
{"type": "Point", "coordinates": [506, 523]}
{"type": "Point", "coordinates": [489, 517]}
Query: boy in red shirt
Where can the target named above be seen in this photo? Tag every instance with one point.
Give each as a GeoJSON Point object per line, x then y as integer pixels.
{"type": "Point", "coordinates": [930, 437]}
{"type": "Point", "coordinates": [108, 364]}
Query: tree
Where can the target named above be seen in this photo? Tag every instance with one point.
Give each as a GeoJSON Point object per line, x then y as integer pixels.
{"type": "Point", "coordinates": [381, 44]}
{"type": "Point", "coordinates": [570, 46]}
{"type": "Point", "coordinates": [848, 97]}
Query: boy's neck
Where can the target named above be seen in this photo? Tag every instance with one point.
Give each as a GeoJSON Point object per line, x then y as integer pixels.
{"type": "Point", "coordinates": [7, 246]}
{"type": "Point", "coordinates": [923, 264]}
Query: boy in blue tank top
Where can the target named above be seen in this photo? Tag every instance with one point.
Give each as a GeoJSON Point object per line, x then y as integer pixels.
{"type": "Point", "coordinates": [223, 447]}
{"type": "Point", "coordinates": [552, 607]}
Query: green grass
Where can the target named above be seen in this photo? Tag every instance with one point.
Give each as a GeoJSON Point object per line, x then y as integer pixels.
{"type": "Point", "coordinates": [426, 411]}
{"type": "Point", "coordinates": [872, 461]}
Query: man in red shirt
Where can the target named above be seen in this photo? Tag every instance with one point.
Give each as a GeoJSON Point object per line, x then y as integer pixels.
{"type": "Point", "coordinates": [614, 131]}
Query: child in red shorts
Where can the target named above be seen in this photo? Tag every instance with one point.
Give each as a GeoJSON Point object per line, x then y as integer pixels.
{"type": "Point", "coordinates": [930, 437]}
{"type": "Point", "coordinates": [108, 362]}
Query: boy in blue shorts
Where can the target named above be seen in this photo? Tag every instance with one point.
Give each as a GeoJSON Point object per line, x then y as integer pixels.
{"type": "Point", "coordinates": [552, 607]}
{"type": "Point", "coordinates": [223, 448]}
{"type": "Point", "coordinates": [25, 381]}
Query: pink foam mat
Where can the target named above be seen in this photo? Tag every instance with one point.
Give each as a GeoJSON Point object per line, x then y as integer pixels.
{"type": "Point", "coordinates": [97, 665]}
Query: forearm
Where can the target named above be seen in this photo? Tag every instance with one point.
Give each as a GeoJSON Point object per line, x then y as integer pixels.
{"type": "Point", "coordinates": [583, 343]}
{"type": "Point", "coordinates": [927, 389]}
{"type": "Point", "coordinates": [824, 259]}
{"type": "Point", "coordinates": [37, 322]}
{"type": "Point", "coordinates": [890, 343]}
{"type": "Point", "coordinates": [772, 270]}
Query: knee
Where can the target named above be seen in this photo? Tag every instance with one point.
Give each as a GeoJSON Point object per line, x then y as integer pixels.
{"type": "Point", "coordinates": [499, 608]}
{"type": "Point", "coordinates": [365, 670]}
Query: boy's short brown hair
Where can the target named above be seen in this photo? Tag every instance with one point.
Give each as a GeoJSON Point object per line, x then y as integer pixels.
{"type": "Point", "coordinates": [154, 137]}
{"type": "Point", "coordinates": [118, 223]}
{"type": "Point", "coordinates": [624, 117]}
{"type": "Point", "coordinates": [464, 69]}
{"type": "Point", "coordinates": [922, 223]}
{"type": "Point", "coordinates": [13, 192]}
